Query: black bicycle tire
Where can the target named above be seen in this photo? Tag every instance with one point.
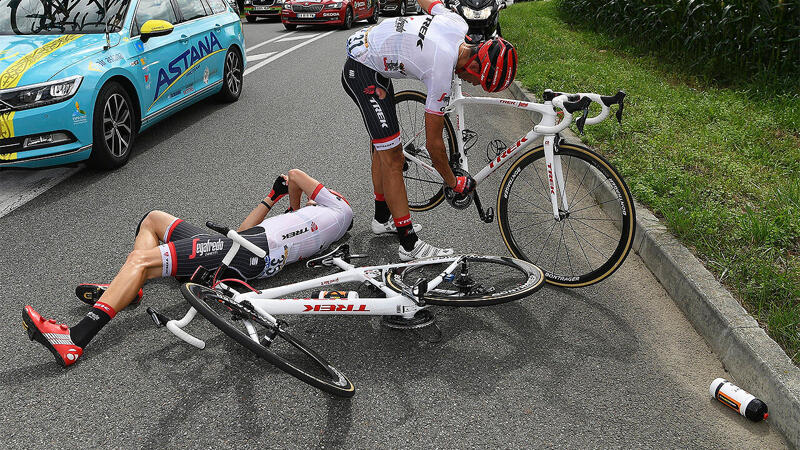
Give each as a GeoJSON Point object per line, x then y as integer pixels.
{"type": "Point", "coordinates": [628, 222]}
{"type": "Point", "coordinates": [437, 198]}
{"type": "Point", "coordinates": [189, 291]}
{"type": "Point", "coordinates": [533, 283]}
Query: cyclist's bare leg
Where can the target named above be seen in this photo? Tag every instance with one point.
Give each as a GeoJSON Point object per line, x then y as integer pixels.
{"type": "Point", "coordinates": [141, 265]}
{"type": "Point", "coordinates": [151, 230]}
{"type": "Point", "coordinates": [391, 179]}
{"type": "Point", "coordinates": [377, 174]}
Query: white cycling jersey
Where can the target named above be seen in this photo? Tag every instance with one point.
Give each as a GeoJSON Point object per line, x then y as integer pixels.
{"type": "Point", "coordinates": [307, 231]}
{"type": "Point", "coordinates": [423, 48]}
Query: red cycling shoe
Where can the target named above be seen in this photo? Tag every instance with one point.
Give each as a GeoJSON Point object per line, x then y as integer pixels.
{"type": "Point", "coordinates": [90, 294]}
{"type": "Point", "coordinates": [54, 336]}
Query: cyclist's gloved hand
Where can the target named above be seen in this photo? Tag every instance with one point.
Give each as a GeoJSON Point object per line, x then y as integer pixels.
{"type": "Point", "coordinates": [464, 185]}
{"type": "Point", "coordinates": [279, 188]}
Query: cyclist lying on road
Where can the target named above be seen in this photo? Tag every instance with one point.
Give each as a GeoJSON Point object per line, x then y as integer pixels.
{"type": "Point", "coordinates": [300, 233]}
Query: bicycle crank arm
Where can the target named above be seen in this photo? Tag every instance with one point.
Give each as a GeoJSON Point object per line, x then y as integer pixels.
{"type": "Point", "coordinates": [487, 216]}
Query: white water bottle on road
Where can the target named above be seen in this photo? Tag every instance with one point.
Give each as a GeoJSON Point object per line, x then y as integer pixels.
{"type": "Point", "coordinates": [738, 399]}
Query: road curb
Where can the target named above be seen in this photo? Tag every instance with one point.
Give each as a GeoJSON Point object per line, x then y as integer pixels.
{"type": "Point", "coordinates": [754, 360]}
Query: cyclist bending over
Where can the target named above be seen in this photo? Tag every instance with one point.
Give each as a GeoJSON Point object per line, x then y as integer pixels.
{"type": "Point", "coordinates": [299, 233]}
{"type": "Point", "coordinates": [429, 49]}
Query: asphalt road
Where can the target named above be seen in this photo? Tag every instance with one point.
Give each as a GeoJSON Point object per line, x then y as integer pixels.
{"type": "Point", "coordinates": [612, 365]}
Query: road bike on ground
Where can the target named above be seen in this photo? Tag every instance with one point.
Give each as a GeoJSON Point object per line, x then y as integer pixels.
{"type": "Point", "coordinates": [560, 205]}
{"type": "Point", "coordinates": [403, 291]}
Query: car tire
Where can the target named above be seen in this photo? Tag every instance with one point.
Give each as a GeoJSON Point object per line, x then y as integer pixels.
{"type": "Point", "coordinates": [402, 8]}
{"type": "Point", "coordinates": [289, 26]}
{"type": "Point", "coordinates": [232, 77]}
{"type": "Point", "coordinates": [251, 19]}
{"type": "Point", "coordinates": [348, 19]}
{"type": "Point", "coordinates": [113, 106]}
{"type": "Point", "coordinates": [374, 17]}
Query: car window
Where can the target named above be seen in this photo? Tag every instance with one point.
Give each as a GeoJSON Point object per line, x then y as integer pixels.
{"type": "Point", "coordinates": [154, 10]}
{"type": "Point", "coordinates": [218, 6]}
{"type": "Point", "coordinates": [191, 9]}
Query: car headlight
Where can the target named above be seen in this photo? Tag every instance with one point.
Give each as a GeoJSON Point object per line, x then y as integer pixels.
{"type": "Point", "coordinates": [248, 2]}
{"type": "Point", "coordinates": [472, 14]}
{"type": "Point", "coordinates": [41, 94]}
{"type": "Point", "coordinates": [337, 5]}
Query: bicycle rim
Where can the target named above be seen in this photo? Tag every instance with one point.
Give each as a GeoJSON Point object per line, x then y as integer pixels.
{"type": "Point", "coordinates": [282, 349]}
{"type": "Point", "coordinates": [477, 281]}
{"type": "Point", "coordinates": [423, 188]}
{"type": "Point", "coordinates": [591, 240]}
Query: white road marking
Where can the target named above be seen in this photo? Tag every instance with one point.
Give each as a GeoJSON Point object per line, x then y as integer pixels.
{"type": "Point", "coordinates": [270, 40]}
{"type": "Point", "coordinates": [298, 37]}
{"type": "Point", "coordinates": [18, 187]}
{"type": "Point", "coordinates": [285, 52]}
{"type": "Point", "coordinates": [259, 56]}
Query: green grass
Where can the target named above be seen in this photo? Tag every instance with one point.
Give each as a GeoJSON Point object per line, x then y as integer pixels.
{"type": "Point", "coordinates": [720, 166]}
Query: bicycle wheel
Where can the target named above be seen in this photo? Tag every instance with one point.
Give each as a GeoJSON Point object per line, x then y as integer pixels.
{"type": "Point", "coordinates": [591, 240]}
{"type": "Point", "coordinates": [423, 188]}
{"type": "Point", "coordinates": [477, 281]}
{"type": "Point", "coordinates": [276, 345]}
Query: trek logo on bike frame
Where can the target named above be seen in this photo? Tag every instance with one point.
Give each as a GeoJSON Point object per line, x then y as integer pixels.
{"type": "Point", "coordinates": [332, 308]}
{"type": "Point", "coordinates": [550, 177]}
{"type": "Point", "coordinates": [507, 152]}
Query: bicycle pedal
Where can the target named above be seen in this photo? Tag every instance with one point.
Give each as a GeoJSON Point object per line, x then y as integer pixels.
{"type": "Point", "coordinates": [488, 216]}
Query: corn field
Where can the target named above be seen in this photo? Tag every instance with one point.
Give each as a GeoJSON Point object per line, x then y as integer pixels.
{"type": "Point", "coordinates": [722, 39]}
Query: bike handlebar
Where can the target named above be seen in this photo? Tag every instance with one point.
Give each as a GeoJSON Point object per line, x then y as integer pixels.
{"type": "Point", "coordinates": [236, 237]}
{"type": "Point", "coordinates": [570, 103]}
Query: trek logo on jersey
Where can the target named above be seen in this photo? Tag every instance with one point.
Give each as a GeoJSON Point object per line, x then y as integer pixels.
{"type": "Point", "coordinates": [186, 60]}
{"type": "Point", "coordinates": [423, 30]}
{"type": "Point", "coordinates": [379, 112]}
{"type": "Point", "coordinates": [393, 66]}
{"type": "Point", "coordinates": [294, 233]}
{"type": "Point", "coordinates": [201, 248]}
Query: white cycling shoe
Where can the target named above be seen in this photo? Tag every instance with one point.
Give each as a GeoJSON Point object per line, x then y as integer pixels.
{"type": "Point", "coordinates": [422, 250]}
{"type": "Point", "coordinates": [388, 227]}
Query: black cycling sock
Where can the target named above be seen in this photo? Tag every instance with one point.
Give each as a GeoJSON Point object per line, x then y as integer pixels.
{"type": "Point", "coordinates": [407, 236]}
{"type": "Point", "coordinates": [88, 327]}
{"type": "Point", "coordinates": [382, 212]}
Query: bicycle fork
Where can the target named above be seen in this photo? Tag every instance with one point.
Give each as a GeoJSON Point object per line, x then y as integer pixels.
{"type": "Point", "coordinates": [555, 177]}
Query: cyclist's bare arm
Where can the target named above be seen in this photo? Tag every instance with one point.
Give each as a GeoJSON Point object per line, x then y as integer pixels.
{"type": "Point", "coordinates": [434, 126]}
{"type": "Point", "coordinates": [427, 4]}
{"type": "Point", "coordinates": [257, 215]}
{"type": "Point", "coordinates": [300, 183]}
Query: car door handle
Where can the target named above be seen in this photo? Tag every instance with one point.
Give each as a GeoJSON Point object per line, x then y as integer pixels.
{"type": "Point", "coordinates": [184, 38]}
{"type": "Point", "coordinates": [217, 26]}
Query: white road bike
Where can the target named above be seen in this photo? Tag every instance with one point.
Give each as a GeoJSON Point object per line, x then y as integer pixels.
{"type": "Point", "coordinates": [405, 291]}
{"type": "Point", "coordinates": [561, 206]}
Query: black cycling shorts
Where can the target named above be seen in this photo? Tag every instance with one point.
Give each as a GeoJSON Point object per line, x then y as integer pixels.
{"type": "Point", "coordinates": [380, 117]}
{"type": "Point", "coordinates": [187, 247]}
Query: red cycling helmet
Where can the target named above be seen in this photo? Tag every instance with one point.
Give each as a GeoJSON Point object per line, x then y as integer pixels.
{"type": "Point", "coordinates": [498, 60]}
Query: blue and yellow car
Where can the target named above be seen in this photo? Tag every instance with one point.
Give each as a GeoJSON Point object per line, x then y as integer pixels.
{"type": "Point", "coordinates": [79, 79]}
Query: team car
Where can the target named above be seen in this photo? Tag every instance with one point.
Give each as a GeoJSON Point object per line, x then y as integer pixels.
{"type": "Point", "coordinates": [400, 7]}
{"type": "Point", "coordinates": [328, 12]}
{"type": "Point", "coordinates": [79, 79]}
{"type": "Point", "coordinates": [255, 9]}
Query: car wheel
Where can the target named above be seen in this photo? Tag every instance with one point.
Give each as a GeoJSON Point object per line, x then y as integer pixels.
{"type": "Point", "coordinates": [232, 77]}
{"type": "Point", "coordinates": [374, 17]}
{"type": "Point", "coordinates": [113, 127]}
{"type": "Point", "coordinates": [402, 7]}
{"type": "Point", "coordinates": [251, 19]}
{"type": "Point", "coordinates": [348, 19]}
{"type": "Point", "coordinates": [289, 26]}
